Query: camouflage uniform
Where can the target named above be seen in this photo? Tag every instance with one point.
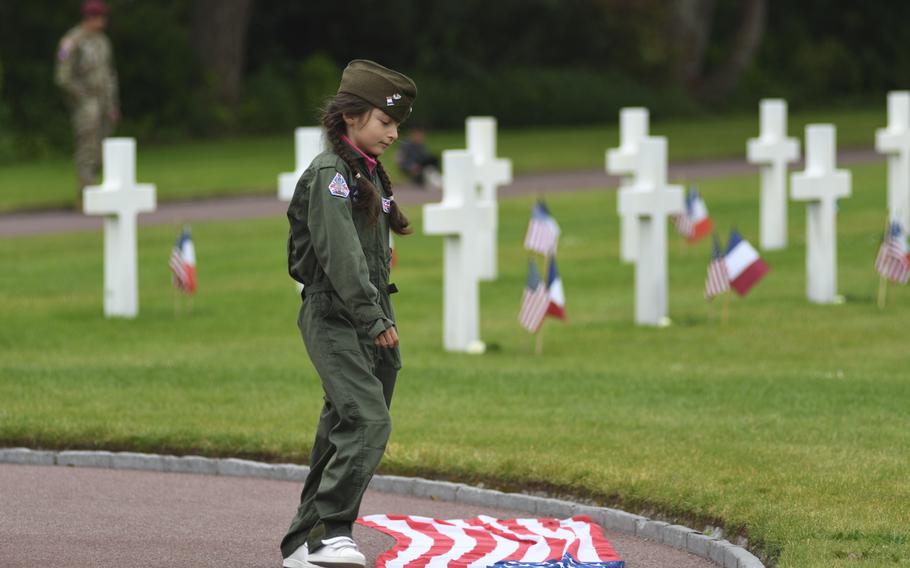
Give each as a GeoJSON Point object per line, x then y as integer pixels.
{"type": "Point", "coordinates": [85, 71]}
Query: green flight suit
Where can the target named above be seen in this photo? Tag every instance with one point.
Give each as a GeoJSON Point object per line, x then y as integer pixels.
{"type": "Point", "coordinates": [343, 262]}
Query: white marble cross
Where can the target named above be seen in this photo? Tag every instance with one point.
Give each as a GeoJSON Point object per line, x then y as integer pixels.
{"type": "Point", "coordinates": [773, 150]}
{"type": "Point", "coordinates": [895, 142]}
{"type": "Point", "coordinates": [461, 218]}
{"type": "Point", "coordinates": [489, 172]}
{"type": "Point", "coordinates": [821, 185]}
{"type": "Point", "coordinates": [308, 143]}
{"type": "Point", "coordinates": [651, 201]}
{"type": "Point", "coordinates": [622, 161]}
{"type": "Point", "coordinates": [120, 199]}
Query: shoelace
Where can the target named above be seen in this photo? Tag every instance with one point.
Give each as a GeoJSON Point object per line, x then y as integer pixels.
{"type": "Point", "coordinates": [340, 542]}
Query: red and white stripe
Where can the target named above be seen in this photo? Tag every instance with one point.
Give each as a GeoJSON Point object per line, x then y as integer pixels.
{"type": "Point", "coordinates": [183, 265]}
{"type": "Point", "coordinates": [683, 223]}
{"type": "Point", "coordinates": [422, 542]}
{"type": "Point", "coordinates": [892, 262]}
{"type": "Point", "coordinates": [534, 306]}
{"type": "Point", "coordinates": [542, 236]}
{"type": "Point", "coordinates": [718, 281]}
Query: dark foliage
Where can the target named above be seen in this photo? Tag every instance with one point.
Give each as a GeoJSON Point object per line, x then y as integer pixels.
{"type": "Point", "coordinates": [526, 61]}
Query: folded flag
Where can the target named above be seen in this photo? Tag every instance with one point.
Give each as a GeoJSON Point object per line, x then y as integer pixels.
{"type": "Point", "coordinates": [744, 267]}
{"type": "Point", "coordinates": [892, 261]}
{"type": "Point", "coordinates": [694, 223]}
{"type": "Point", "coordinates": [543, 231]}
{"type": "Point", "coordinates": [485, 542]}
{"type": "Point", "coordinates": [535, 302]}
{"type": "Point", "coordinates": [557, 306]}
{"type": "Point", "coordinates": [183, 263]}
{"type": "Point", "coordinates": [717, 282]}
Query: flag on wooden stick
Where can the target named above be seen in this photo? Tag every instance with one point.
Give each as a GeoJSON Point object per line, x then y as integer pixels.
{"type": "Point", "coordinates": [543, 231]}
{"type": "Point", "coordinates": [557, 306]}
{"type": "Point", "coordinates": [183, 263]}
{"type": "Point", "coordinates": [744, 267]}
{"type": "Point", "coordinates": [694, 223]}
{"type": "Point", "coordinates": [535, 302]}
{"type": "Point", "coordinates": [718, 281]}
{"type": "Point", "coordinates": [892, 260]}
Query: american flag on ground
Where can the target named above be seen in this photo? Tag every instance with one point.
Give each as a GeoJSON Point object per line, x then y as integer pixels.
{"type": "Point", "coordinates": [183, 263]}
{"type": "Point", "coordinates": [485, 542]}
{"type": "Point", "coordinates": [694, 223]}
{"type": "Point", "coordinates": [718, 280]}
{"type": "Point", "coordinates": [892, 261]}
{"type": "Point", "coordinates": [535, 302]}
{"type": "Point", "coordinates": [543, 231]}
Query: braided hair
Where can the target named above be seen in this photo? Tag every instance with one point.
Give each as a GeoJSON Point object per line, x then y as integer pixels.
{"type": "Point", "coordinates": [367, 196]}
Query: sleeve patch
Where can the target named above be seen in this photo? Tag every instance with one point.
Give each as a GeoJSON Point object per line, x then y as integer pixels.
{"type": "Point", "coordinates": [66, 46]}
{"type": "Point", "coordinates": [339, 187]}
{"type": "Point", "coordinates": [386, 205]}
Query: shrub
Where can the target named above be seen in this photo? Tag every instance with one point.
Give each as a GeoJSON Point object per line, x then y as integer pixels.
{"type": "Point", "coordinates": [539, 96]}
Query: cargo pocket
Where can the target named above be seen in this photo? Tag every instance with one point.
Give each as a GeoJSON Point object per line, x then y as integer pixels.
{"type": "Point", "coordinates": [390, 358]}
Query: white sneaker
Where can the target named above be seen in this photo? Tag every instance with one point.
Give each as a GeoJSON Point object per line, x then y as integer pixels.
{"type": "Point", "coordinates": [338, 552]}
{"type": "Point", "coordinates": [298, 559]}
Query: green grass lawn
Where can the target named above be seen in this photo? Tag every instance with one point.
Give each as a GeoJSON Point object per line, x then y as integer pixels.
{"type": "Point", "coordinates": [790, 424]}
{"type": "Point", "coordinates": [252, 165]}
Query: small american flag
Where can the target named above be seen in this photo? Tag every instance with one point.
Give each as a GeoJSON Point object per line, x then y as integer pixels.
{"type": "Point", "coordinates": [535, 302]}
{"type": "Point", "coordinates": [892, 261]}
{"type": "Point", "coordinates": [486, 542]}
{"type": "Point", "coordinates": [183, 263]}
{"type": "Point", "coordinates": [543, 231]}
{"type": "Point", "coordinates": [718, 280]}
{"type": "Point", "coordinates": [683, 224]}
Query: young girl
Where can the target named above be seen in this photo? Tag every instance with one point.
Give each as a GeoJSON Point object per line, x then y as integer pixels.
{"type": "Point", "coordinates": [338, 248]}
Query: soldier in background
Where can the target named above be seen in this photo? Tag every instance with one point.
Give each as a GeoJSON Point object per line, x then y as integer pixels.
{"type": "Point", "coordinates": [85, 71]}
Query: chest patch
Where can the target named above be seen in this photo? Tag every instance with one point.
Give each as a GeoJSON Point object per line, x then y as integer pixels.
{"type": "Point", "coordinates": [386, 205]}
{"type": "Point", "coordinates": [339, 187]}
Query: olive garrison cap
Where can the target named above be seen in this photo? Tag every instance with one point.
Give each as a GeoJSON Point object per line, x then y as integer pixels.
{"type": "Point", "coordinates": [388, 90]}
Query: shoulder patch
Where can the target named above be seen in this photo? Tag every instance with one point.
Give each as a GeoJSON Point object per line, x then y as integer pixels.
{"type": "Point", "coordinates": [66, 46]}
{"type": "Point", "coordinates": [386, 205]}
{"type": "Point", "coordinates": [339, 187]}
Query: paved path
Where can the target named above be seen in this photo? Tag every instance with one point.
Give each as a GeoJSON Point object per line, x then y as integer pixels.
{"type": "Point", "coordinates": [79, 517]}
{"type": "Point", "coordinates": [249, 207]}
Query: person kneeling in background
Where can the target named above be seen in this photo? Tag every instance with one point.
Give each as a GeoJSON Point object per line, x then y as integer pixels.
{"type": "Point", "coordinates": [417, 162]}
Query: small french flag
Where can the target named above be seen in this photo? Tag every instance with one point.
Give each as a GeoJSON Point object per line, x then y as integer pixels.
{"type": "Point", "coordinates": [700, 222]}
{"type": "Point", "coordinates": [744, 267]}
{"type": "Point", "coordinates": [557, 307]}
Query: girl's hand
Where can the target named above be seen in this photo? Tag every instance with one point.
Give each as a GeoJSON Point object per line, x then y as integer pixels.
{"type": "Point", "coordinates": [387, 339]}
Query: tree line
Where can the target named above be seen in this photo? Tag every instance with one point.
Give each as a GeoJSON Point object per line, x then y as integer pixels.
{"type": "Point", "coordinates": [221, 67]}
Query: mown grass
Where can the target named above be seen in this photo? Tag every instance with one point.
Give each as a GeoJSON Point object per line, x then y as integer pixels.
{"type": "Point", "coordinates": [789, 424]}
{"type": "Point", "coordinates": [251, 165]}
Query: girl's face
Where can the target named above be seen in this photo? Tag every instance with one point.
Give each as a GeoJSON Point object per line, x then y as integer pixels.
{"type": "Point", "coordinates": [372, 132]}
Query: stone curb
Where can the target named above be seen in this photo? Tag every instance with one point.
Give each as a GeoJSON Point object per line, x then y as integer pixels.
{"type": "Point", "coordinates": [720, 551]}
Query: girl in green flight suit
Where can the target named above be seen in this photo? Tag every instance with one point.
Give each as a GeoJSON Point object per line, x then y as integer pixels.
{"type": "Point", "coordinates": [338, 248]}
